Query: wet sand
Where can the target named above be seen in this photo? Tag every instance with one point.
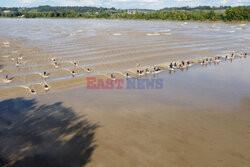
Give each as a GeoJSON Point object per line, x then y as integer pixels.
{"type": "Point", "coordinates": [199, 118]}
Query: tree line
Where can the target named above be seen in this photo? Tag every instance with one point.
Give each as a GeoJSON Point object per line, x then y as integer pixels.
{"type": "Point", "coordinates": [240, 13]}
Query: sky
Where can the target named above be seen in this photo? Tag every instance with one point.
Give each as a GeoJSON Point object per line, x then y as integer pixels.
{"type": "Point", "coordinates": [123, 4]}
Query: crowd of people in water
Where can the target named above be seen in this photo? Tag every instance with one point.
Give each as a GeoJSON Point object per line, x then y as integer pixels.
{"type": "Point", "coordinates": [182, 65]}
{"type": "Point", "coordinates": [140, 72]}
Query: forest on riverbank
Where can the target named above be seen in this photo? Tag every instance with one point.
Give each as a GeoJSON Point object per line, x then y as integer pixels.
{"type": "Point", "coordinates": [201, 13]}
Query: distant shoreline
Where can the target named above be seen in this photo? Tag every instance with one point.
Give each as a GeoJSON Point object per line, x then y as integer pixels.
{"type": "Point", "coordinates": [236, 14]}
{"type": "Point", "coordinates": [82, 18]}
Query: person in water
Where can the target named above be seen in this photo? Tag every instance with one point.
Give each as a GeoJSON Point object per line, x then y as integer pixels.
{"type": "Point", "coordinates": [17, 63]}
{"type": "Point", "coordinates": [45, 73]}
{"type": "Point", "coordinates": [183, 63]}
{"type": "Point", "coordinates": [157, 69]}
{"type": "Point", "coordinates": [203, 62]}
{"type": "Point", "coordinates": [171, 65]}
{"type": "Point", "coordinates": [46, 86]}
{"type": "Point", "coordinates": [32, 91]}
{"type": "Point", "coordinates": [73, 72]}
{"type": "Point", "coordinates": [6, 77]}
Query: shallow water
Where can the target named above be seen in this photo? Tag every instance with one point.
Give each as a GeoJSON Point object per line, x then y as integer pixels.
{"type": "Point", "coordinates": [224, 85]}
{"type": "Point", "coordinates": [106, 46]}
{"type": "Point", "coordinates": [199, 115]}
{"type": "Point", "coordinates": [199, 118]}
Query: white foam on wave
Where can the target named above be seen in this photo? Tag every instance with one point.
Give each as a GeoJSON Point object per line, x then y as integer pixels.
{"type": "Point", "coordinates": [167, 30]}
{"type": "Point", "coordinates": [242, 25]}
{"type": "Point", "coordinates": [79, 31]}
{"type": "Point", "coordinates": [231, 31]}
{"type": "Point", "coordinates": [6, 43]}
{"type": "Point", "coordinates": [167, 33]}
{"type": "Point", "coordinates": [182, 24]}
{"type": "Point", "coordinates": [152, 34]}
{"type": "Point", "coordinates": [217, 29]}
{"type": "Point", "coordinates": [117, 34]}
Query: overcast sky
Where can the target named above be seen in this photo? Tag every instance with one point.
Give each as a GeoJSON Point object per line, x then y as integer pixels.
{"type": "Point", "coordinates": [122, 4]}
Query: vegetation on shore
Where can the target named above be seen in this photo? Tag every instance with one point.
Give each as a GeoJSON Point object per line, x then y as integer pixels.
{"type": "Point", "coordinates": [201, 13]}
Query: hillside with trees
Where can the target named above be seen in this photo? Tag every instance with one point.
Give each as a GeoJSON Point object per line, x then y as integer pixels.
{"type": "Point", "coordinates": [201, 13]}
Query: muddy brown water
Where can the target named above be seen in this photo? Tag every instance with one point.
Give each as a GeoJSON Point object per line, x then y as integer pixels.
{"type": "Point", "coordinates": [199, 118]}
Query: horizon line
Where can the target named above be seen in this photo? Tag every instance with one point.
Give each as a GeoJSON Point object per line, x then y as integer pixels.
{"type": "Point", "coordinates": [127, 8]}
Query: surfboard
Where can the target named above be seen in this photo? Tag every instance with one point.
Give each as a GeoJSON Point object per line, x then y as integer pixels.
{"type": "Point", "coordinates": [47, 88]}
{"type": "Point", "coordinates": [156, 72]}
{"type": "Point", "coordinates": [142, 73]}
{"type": "Point", "coordinates": [44, 76]}
{"type": "Point", "coordinates": [30, 90]}
{"type": "Point", "coordinates": [7, 80]}
{"type": "Point", "coordinates": [182, 67]}
{"type": "Point", "coordinates": [34, 92]}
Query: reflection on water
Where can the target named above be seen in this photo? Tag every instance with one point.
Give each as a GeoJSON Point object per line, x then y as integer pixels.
{"type": "Point", "coordinates": [46, 135]}
{"type": "Point", "coordinates": [224, 84]}
{"type": "Point", "coordinates": [215, 84]}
